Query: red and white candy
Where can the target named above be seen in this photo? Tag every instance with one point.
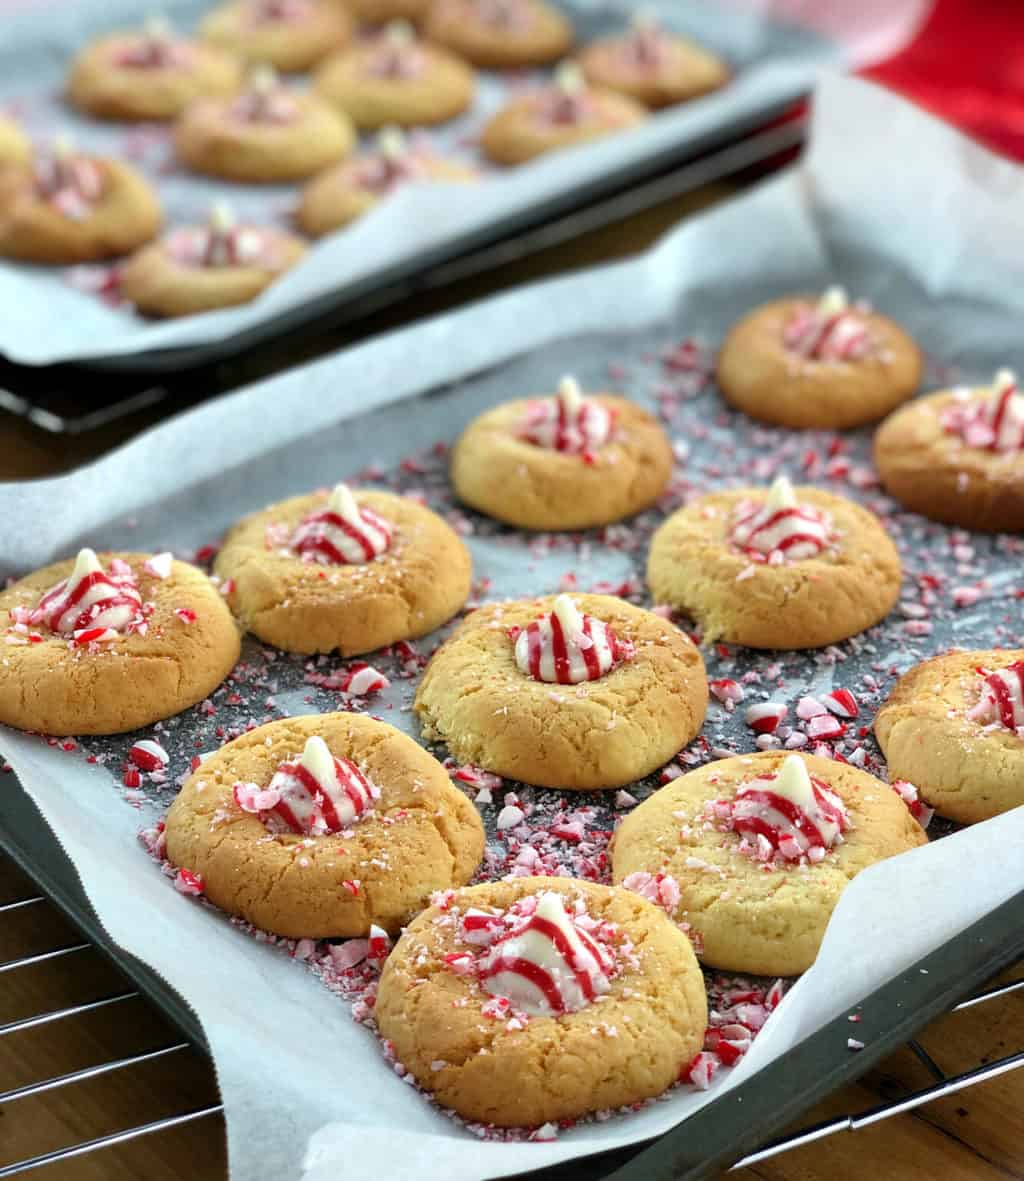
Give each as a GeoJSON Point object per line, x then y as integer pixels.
{"type": "Point", "coordinates": [71, 183]}
{"type": "Point", "coordinates": [342, 534]}
{"type": "Point", "coordinates": [789, 813]}
{"type": "Point", "coordinates": [504, 14]}
{"type": "Point", "coordinates": [566, 647]}
{"type": "Point", "coordinates": [279, 11]}
{"type": "Point", "coordinates": [90, 600]}
{"type": "Point", "coordinates": [765, 717]}
{"type": "Point", "coordinates": [569, 422]}
{"type": "Point", "coordinates": [397, 54]}
{"type": "Point", "coordinates": [317, 794]}
{"type": "Point", "coordinates": [644, 48]}
{"type": "Point", "coordinates": [1002, 697]}
{"type": "Point", "coordinates": [362, 679]}
{"type": "Point", "coordinates": [155, 49]}
{"type": "Point", "coordinates": [549, 965]}
{"type": "Point", "coordinates": [265, 100]}
{"type": "Point", "coordinates": [220, 243]}
{"type": "Point", "coordinates": [781, 526]}
{"type": "Point", "coordinates": [828, 330]}
{"type": "Point", "coordinates": [569, 101]}
{"type": "Point", "coordinates": [148, 755]}
{"type": "Point", "coordinates": [997, 422]}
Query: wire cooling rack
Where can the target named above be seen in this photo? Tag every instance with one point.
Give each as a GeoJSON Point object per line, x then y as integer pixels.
{"type": "Point", "coordinates": [943, 1085]}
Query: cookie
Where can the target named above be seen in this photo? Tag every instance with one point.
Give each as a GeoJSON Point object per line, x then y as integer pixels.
{"type": "Point", "coordinates": [313, 827]}
{"type": "Point", "coordinates": [380, 12]}
{"type": "Point", "coordinates": [652, 65]}
{"type": "Point", "coordinates": [956, 456]}
{"type": "Point", "coordinates": [290, 35]}
{"type": "Point", "coordinates": [828, 365]}
{"type": "Point", "coordinates": [70, 207]}
{"type": "Point", "coordinates": [340, 195]}
{"type": "Point", "coordinates": [558, 116]}
{"type": "Point", "coordinates": [583, 693]}
{"type": "Point", "coordinates": [622, 1014]}
{"type": "Point", "coordinates": [567, 462]}
{"type": "Point", "coordinates": [778, 568]}
{"type": "Point", "coordinates": [392, 78]}
{"type": "Point", "coordinates": [106, 645]}
{"type": "Point", "coordinates": [954, 727]}
{"type": "Point", "coordinates": [342, 572]}
{"type": "Point", "coordinates": [14, 146]}
{"type": "Point", "coordinates": [201, 268]}
{"type": "Point", "coordinates": [266, 134]}
{"type": "Point", "coordinates": [501, 34]}
{"type": "Point", "coordinates": [756, 851]}
{"type": "Point", "coordinates": [148, 75]}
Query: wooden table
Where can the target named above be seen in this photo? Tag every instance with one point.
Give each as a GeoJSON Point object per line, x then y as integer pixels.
{"type": "Point", "coordinates": [977, 1135]}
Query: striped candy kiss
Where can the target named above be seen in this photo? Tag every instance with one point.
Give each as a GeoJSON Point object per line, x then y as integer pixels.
{"type": "Point", "coordinates": [89, 598]}
{"type": "Point", "coordinates": [318, 794]}
{"type": "Point", "coordinates": [789, 813]}
{"type": "Point", "coordinates": [71, 183]}
{"type": "Point", "coordinates": [1002, 697]}
{"type": "Point", "coordinates": [549, 965]}
{"type": "Point", "coordinates": [997, 422]}
{"type": "Point", "coordinates": [155, 49]}
{"type": "Point", "coordinates": [781, 526]}
{"type": "Point", "coordinates": [568, 423]}
{"type": "Point", "coordinates": [343, 534]}
{"type": "Point", "coordinates": [828, 331]}
{"type": "Point", "coordinates": [565, 647]}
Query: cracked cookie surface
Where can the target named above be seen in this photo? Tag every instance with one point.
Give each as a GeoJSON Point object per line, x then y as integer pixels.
{"type": "Point", "coordinates": [965, 770]}
{"type": "Point", "coordinates": [57, 688]}
{"type": "Point", "coordinates": [421, 835]}
{"type": "Point", "coordinates": [415, 586]}
{"type": "Point", "coordinates": [599, 734]}
{"type": "Point", "coordinates": [628, 1046]}
{"type": "Point", "coordinates": [765, 921]}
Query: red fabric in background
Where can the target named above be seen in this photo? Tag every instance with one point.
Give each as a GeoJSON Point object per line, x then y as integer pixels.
{"type": "Point", "coordinates": [967, 65]}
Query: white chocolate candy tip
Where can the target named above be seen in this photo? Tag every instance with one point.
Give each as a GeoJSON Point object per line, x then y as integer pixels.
{"type": "Point", "coordinates": [400, 33]}
{"type": "Point", "coordinates": [262, 78]}
{"type": "Point", "coordinates": [570, 394]}
{"type": "Point", "coordinates": [569, 78]}
{"type": "Point", "coordinates": [568, 615]}
{"type": "Point", "coordinates": [222, 216]}
{"type": "Point", "coordinates": [86, 563]}
{"type": "Point", "coordinates": [391, 142]}
{"type": "Point", "coordinates": [1004, 380]}
{"type": "Point", "coordinates": [644, 20]}
{"type": "Point", "coordinates": [781, 494]}
{"type": "Point", "coordinates": [157, 27]}
{"type": "Point", "coordinates": [344, 504]}
{"type": "Point", "coordinates": [317, 759]}
{"type": "Point", "coordinates": [63, 146]}
{"type": "Point", "coordinates": [794, 782]}
{"type": "Point", "coordinates": [833, 302]}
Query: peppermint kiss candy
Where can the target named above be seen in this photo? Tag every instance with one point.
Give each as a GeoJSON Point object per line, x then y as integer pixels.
{"type": "Point", "coordinates": [781, 526]}
{"type": "Point", "coordinates": [319, 793]}
{"type": "Point", "coordinates": [568, 101]}
{"type": "Point", "coordinates": [90, 600]}
{"type": "Point", "coordinates": [391, 164]}
{"type": "Point", "coordinates": [568, 423]}
{"type": "Point", "coordinates": [71, 183]}
{"type": "Point", "coordinates": [265, 101]}
{"type": "Point", "coordinates": [504, 14]}
{"type": "Point", "coordinates": [549, 966]}
{"type": "Point", "coordinates": [279, 11]}
{"type": "Point", "coordinates": [1002, 697]}
{"type": "Point", "coordinates": [343, 534]}
{"type": "Point", "coordinates": [789, 813]}
{"type": "Point", "coordinates": [997, 422]}
{"type": "Point", "coordinates": [566, 647]}
{"type": "Point", "coordinates": [828, 331]}
{"type": "Point", "coordinates": [645, 45]}
{"type": "Point", "coordinates": [398, 55]}
{"type": "Point", "coordinates": [155, 49]}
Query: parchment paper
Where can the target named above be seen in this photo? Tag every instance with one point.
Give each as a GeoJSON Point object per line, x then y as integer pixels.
{"type": "Point", "coordinates": [46, 318]}
{"type": "Point", "coordinates": [298, 1077]}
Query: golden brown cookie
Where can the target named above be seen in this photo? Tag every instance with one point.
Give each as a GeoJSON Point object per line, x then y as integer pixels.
{"type": "Point", "coordinates": [844, 578]}
{"type": "Point", "coordinates": [766, 917]}
{"type": "Point", "coordinates": [825, 364]}
{"type": "Point", "coordinates": [380, 12]}
{"type": "Point", "coordinates": [653, 66]}
{"type": "Point", "coordinates": [938, 456]}
{"type": "Point", "coordinates": [267, 134]}
{"type": "Point", "coordinates": [558, 116]}
{"type": "Point", "coordinates": [417, 835]}
{"type": "Point", "coordinates": [479, 697]}
{"type": "Point", "coordinates": [71, 208]}
{"type": "Point", "coordinates": [954, 727]}
{"type": "Point", "coordinates": [14, 145]}
{"type": "Point", "coordinates": [497, 469]}
{"type": "Point", "coordinates": [476, 1056]}
{"type": "Point", "coordinates": [414, 585]}
{"type": "Point", "coordinates": [148, 75]}
{"type": "Point", "coordinates": [201, 268]}
{"type": "Point", "coordinates": [501, 34]}
{"type": "Point", "coordinates": [393, 79]}
{"type": "Point", "coordinates": [175, 644]}
{"type": "Point", "coordinates": [347, 191]}
{"type": "Point", "coordinates": [291, 35]}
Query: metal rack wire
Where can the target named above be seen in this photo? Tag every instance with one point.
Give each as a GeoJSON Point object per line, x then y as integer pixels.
{"type": "Point", "coordinates": [944, 1084]}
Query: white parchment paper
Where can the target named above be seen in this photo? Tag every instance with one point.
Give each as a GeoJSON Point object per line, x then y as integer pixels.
{"type": "Point", "coordinates": [884, 213]}
{"type": "Point", "coordinates": [47, 319]}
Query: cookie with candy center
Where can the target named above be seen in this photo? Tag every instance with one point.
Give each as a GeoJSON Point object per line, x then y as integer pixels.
{"type": "Point", "coordinates": [533, 1000]}
{"type": "Point", "coordinates": [290, 35]}
{"type": "Point", "coordinates": [321, 826]}
{"type": "Point", "coordinates": [825, 363]}
{"type": "Point", "coordinates": [584, 692]}
{"type": "Point", "coordinates": [754, 852]}
{"type": "Point", "coordinates": [103, 644]}
{"type": "Point", "coordinates": [775, 568]}
{"type": "Point", "coordinates": [954, 727]}
{"type": "Point", "coordinates": [957, 456]}
{"type": "Point", "coordinates": [571, 461]}
{"type": "Point", "coordinates": [501, 34]}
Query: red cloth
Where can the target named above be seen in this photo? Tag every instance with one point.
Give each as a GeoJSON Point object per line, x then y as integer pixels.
{"type": "Point", "coordinates": [967, 65]}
